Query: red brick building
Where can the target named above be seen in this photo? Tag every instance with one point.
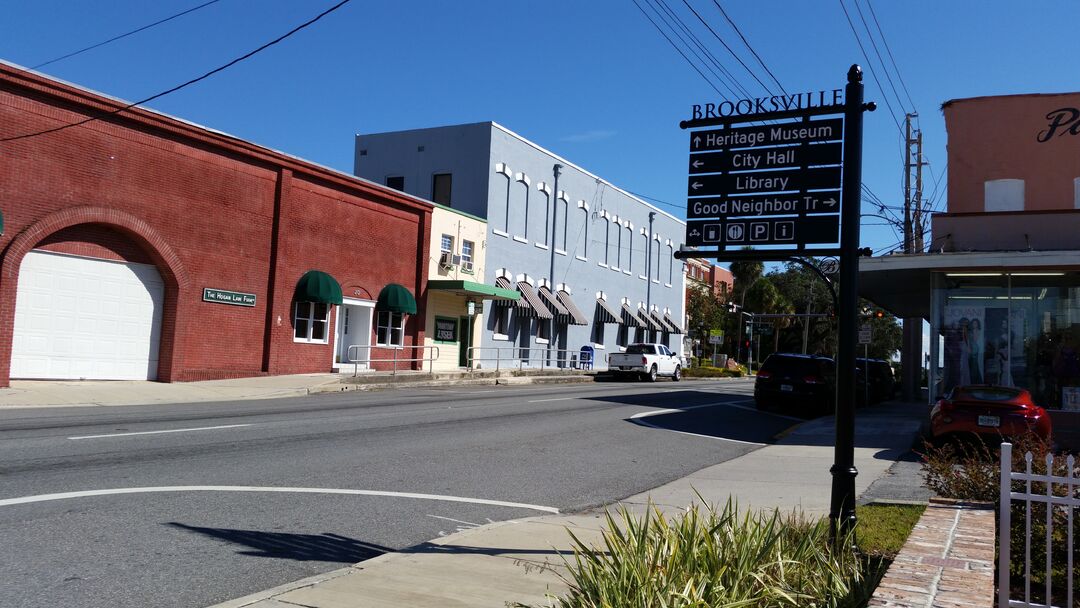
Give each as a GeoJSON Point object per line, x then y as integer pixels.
{"type": "Point", "coordinates": [139, 245]}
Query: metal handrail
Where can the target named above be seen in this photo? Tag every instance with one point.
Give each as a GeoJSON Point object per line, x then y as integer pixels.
{"type": "Point", "coordinates": [433, 354]}
{"type": "Point", "coordinates": [522, 355]}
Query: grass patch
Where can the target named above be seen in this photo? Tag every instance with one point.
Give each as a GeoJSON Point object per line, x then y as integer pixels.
{"type": "Point", "coordinates": [882, 529]}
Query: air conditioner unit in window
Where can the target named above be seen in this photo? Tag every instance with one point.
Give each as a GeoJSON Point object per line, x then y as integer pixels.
{"type": "Point", "coordinates": [466, 266]}
{"type": "Point", "coordinates": [446, 259]}
{"type": "Point", "coordinates": [457, 260]}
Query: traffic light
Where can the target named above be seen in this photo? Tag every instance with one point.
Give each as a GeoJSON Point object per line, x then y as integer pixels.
{"type": "Point", "coordinates": [880, 314]}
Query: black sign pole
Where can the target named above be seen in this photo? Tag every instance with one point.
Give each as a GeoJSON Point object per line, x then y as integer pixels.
{"type": "Point", "coordinates": [842, 505]}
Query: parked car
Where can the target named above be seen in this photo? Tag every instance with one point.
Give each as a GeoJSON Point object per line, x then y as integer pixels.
{"type": "Point", "coordinates": [803, 383]}
{"type": "Point", "coordinates": [882, 384]}
{"type": "Point", "coordinates": [991, 412]}
{"type": "Point", "coordinates": [646, 361]}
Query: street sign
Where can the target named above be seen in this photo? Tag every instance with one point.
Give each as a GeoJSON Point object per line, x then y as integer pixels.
{"type": "Point", "coordinates": [767, 158]}
{"type": "Point", "coordinates": [818, 178]}
{"type": "Point", "coordinates": [801, 132]}
{"type": "Point", "coordinates": [826, 201]}
{"type": "Point", "coordinates": [763, 231]}
{"type": "Point", "coordinates": [865, 333]}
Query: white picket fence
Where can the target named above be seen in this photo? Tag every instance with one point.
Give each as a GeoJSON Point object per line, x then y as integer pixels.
{"type": "Point", "coordinates": [1069, 501]}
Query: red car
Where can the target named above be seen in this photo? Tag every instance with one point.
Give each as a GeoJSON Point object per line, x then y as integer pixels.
{"type": "Point", "coordinates": [989, 411]}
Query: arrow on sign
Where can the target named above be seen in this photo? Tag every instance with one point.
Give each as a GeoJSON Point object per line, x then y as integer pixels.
{"type": "Point", "coordinates": [696, 164]}
{"type": "Point", "coordinates": [695, 233]}
{"type": "Point", "coordinates": [697, 141]}
{"type": "Point", "coordinates": [696, 186]}
{"type": "Point", "coordinates": [829, 203]}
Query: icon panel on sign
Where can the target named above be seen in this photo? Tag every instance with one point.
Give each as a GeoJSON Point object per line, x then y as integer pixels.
{"type": "Point", "coordinates": [735, 232]}
{"type": "Point", "coordinates": [712, 233]}
{"type": "Point", "coordinates": [759, 231]}
{"type": "Point", "coordinates": [784, 231]}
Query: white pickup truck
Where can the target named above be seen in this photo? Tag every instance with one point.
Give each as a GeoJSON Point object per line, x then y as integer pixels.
{"type": "Point", "coordinates": [646, 361]}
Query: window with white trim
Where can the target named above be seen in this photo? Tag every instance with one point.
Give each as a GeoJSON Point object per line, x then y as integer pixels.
{"type": "Point", "coordinates": [389, 328]}
{"type": "Point", "coordinates": [670, 264]}
{"type": "Point", "coordinates": [446, 245]}
{"type": "Point", "coordinates": [466, 255]}
{"type": "Point", "coordinates": [629, 248]}
{"type": "Point", "coordinates": [310, 320]}
{"type": "Point", "coordinates": [543, 330]}
{"type": "Point", "coordinates": [618, 249]}
{"type": "Point", "coordinates": [585, 227]}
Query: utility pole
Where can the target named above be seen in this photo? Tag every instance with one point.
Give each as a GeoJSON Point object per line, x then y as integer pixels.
{"type": "Point", "coordinates": [911, 351]}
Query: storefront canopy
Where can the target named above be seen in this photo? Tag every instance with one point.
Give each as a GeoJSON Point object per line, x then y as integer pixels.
{"type": "Point", "coordinates": [630, 317]}
{"type": "Point", "coordinates": [553, 304]}
{"type": "Point", "coordinates": [317, 286]}
{"type": "Point", "coordinates": [478, 290]}
{"type": "Point", "coordinates": [674, 326]}
{"type": "Point", "coordinates": [396, 298]}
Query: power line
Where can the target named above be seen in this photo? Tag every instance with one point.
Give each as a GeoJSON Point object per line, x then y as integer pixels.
{"type": "Point", "coordinates": [124, 35]}
{"type": "Point", "coordinates": [662, 202]}
{"type": "Point", "coordinates": [889, 51]}
{"type": "Point", "coordinates": [717, 36]}
{"type": "Point", "coordinates": [731, 80]}
{"type": "Point", "coordinates": [884, 68]}
{"type": "Point", "coordinates": [747, 43]}
{"type": "Point", "coordinates": [188, 83]}
{"type": "Point", "coordinates": [677, 49]}
{"type": "Point", "coordinates": [884, 97]}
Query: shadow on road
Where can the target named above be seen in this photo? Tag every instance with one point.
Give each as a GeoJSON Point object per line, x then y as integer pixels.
{"type": "Point", "coordinates": [299, 547]}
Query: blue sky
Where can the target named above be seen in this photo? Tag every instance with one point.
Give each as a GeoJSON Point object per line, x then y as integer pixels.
{"type": "Point", "coordinates": [590, 80]}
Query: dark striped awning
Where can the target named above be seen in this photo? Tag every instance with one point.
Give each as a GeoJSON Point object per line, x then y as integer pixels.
{"type": "Point", "coordinates": [552, 303]}
{"type": "Point", "coordinates": [504, 283]}
{"type": "Point", "coordinates": [530, 303]}
{"type": "Point", "coordinates": [656, 317]}
{"type": "Point", "coordinates": [647, 322]}
{"type": "Point", "coordinates": [630, 317]}
{"type": "Point", "coordinates": [576, 317]}
{"type": "Point", "coordinates": [605, 313]}
{"type": "Point", "coordinates": [674, 326]}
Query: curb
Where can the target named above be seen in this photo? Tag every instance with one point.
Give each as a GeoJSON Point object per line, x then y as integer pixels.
{"type": "Point", "coordinates": [269, 594]}
{"type": "Point", "coordinates": [511, 380]}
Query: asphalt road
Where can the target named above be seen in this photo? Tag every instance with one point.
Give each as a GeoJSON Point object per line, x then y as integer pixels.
{"type": "Point", "coordinates": [207, 528]}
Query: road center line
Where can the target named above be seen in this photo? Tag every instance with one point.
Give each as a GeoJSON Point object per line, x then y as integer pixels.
{"type": "Point", "coordinates": [87, 493]}
{"type": "Point", "coordinates": [204, 428]}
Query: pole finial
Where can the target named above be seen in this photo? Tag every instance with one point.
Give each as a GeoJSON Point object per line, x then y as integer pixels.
{"type": "Point", "coordinates": [855, 73]}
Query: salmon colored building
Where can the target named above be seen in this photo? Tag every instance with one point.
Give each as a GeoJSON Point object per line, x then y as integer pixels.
{"type": "Point", "coordinates": [999, 282]}
{"type": "Point", "coordinates": [135, 245]}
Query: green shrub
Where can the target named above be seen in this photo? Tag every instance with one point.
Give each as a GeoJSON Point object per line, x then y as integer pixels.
{"type": "Point", "coordinates": [704, 559]}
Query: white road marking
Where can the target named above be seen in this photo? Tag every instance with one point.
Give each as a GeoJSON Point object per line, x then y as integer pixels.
{"type": "Point", "coordinates": [205, 428]}
{"type": "Point", "coordinates": [87, 493]}
{"type": "Point", "coordinates": [457, 521]}
{"type": "Point", "coordinates": [546, 400]}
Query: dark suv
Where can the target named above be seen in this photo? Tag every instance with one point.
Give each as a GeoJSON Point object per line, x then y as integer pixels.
{"type": "Point", "coordinates": [882, 383]}
{"type": "Point", "coordinates": [805, 384]}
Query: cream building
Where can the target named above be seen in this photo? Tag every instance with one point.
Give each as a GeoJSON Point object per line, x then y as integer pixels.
{"type": "Point", "coordinates": [455, 289]}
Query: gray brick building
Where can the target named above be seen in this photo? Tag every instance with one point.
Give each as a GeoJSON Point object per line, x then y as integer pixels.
{"type": "Point", "coordinates": [594, 263]}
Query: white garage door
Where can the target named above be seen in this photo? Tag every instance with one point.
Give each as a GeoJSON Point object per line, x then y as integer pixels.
{"type": "Point", "coordinates": [86, 318]}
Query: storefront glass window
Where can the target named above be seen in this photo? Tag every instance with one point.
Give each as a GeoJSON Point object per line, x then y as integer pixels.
{"type": "Point", "coordinates": [311, 321]}
{"type": "Point", "coordinates": [388, 330]}
{"type": "Point", "coordinates": [1011, 329]}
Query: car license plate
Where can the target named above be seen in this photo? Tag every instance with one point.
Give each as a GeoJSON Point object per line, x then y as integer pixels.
{"type": "Point", "coordinates": [994, 421]}
{"type": "Point", "coordinates": [787, 388]}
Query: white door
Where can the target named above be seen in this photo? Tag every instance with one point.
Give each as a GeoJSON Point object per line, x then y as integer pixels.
{"type": "Point", "coordinates": [87, 318]}
{"type": "Point", "coordinates": [353, 329]}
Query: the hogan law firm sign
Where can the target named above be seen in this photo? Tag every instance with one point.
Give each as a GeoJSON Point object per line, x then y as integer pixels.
{"type": "Point", "coordinates": [222, 296]}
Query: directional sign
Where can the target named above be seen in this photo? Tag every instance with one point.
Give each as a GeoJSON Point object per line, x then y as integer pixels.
{"type": "Point", "coordinates": [766, 158]}
{"type": "Point", "coordinates": [826, 201]}
{"type": "Point", "coordinates": [763, 231]}
{"type": "Point", "coordinates": [767, 135]}
{"type": "Point", "coordinates": [763, 181]}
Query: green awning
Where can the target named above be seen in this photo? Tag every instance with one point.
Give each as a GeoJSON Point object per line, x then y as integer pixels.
{"type": "Point", "coordinates": [470, 288]}
{"type": "Point", "coordinates": [396, 298]}
{"type": "Point", "coordinates": [317, 286]}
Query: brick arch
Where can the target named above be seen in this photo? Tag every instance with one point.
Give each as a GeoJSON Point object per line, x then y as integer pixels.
{"type": "Point", "coordinates": [174, 275]}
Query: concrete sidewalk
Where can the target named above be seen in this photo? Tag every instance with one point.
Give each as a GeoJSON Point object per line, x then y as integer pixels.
{"type": "Point", "coordinates": [519, 561]}
{"type": "Point", "coordinates": [76, 393]}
